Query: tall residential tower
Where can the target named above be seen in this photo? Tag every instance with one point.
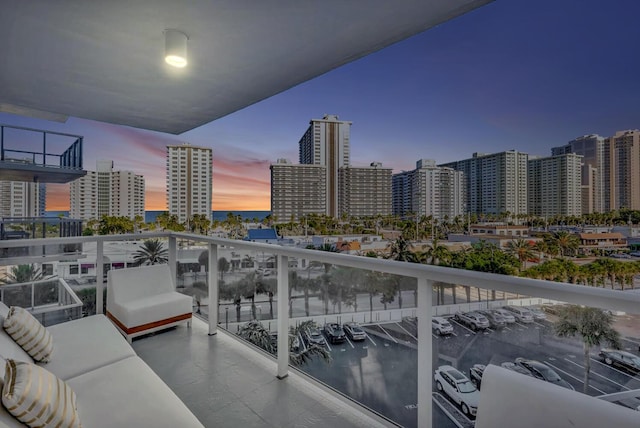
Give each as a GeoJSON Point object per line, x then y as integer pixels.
{"type": "Point", "coordinates": [107, 192]}
{"type": "Point", "coordinates": [189, 181]}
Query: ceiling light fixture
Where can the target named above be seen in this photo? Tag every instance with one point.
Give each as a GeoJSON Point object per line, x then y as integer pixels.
{"type": "Point", "coordinates": [175, 48]}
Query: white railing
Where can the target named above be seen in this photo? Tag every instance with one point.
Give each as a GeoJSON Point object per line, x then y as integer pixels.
{"type": "Point", "coordinates": [426, 275]}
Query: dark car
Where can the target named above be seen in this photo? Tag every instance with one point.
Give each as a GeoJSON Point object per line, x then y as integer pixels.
{"type": "Point", "coordinates": [621, 359]}
{"type": "Point", "coordinates": [543, 372]}
{"type": "Point", "coordinates": [334, 332]}
{"type": "Point", "coordinates": [313, 336]}
{"type": "Point", "coordinates": [515, 368]}
{"type": "Point", "coordinates": [354, 331]}
{"type": "Point", "coordinates": [475, 374]}
{"type": "Point", "coordinates": [496, 320]}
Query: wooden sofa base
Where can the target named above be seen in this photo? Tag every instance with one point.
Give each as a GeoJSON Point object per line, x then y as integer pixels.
{"type": "Point", "coordinates": [140, 330]}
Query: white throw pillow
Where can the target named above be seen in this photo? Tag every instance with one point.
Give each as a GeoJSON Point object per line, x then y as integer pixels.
{"type": "Point", "coordinates": [29, 333]}
{"type": "Point", "coordinates": [37, 397]}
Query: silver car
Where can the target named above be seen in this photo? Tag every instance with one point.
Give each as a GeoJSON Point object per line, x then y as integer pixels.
{"type": "Point", "coordinates": [441, 326]}
{"type": "Point", "coordinates": [473, 320]}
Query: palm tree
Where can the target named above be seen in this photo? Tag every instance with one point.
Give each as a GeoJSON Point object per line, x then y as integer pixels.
{"type": "Point", "coordinates": [23, 273]}
{"type": "Point", "coordinates": [522, 249]}
{"type": "Point", "coordinates": [567, 243]}
{"type": "Point", "coordinates": [254, 332]}
{"type": "Point", "coordinates": [593, 325]}
{"type": "Point", "coordinates": [302, 355]}
{"type": "Point", "coordinates": [151, 252]}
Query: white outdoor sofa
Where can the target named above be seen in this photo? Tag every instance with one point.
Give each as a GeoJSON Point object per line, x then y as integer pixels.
{"type": "Point", "coordinates": [114, 387]}
{"type": "Point", "coordinates": [143, 300]}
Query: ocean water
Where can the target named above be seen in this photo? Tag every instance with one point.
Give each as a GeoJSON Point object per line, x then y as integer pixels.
{"type": "Point", "coordinates": [150, 216]}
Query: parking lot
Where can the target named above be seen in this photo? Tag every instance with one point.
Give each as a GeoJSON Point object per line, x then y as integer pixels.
{"type": "Point", "coordinates": [381, 371]}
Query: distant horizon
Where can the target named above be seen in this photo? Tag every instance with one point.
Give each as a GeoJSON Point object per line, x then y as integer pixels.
{"type": "Point", "coordinates": [511, 75]}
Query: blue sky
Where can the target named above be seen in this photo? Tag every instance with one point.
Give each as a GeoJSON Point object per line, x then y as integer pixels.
{"type": "Point", "coordinates": [514, 74]}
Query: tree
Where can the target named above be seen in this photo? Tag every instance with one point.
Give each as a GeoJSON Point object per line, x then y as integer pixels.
{"type": "Point", "coordinates": [254, 332]}
{"type": "Point", "coordinates": [304, 354]}
{"type": "Point", "coordinates": [593, 325]}
{"type": "Point", "coordinates": [23, 273]}
{"type": "Point", "coordinates": [115, 225]}
{"type": "Point", "coordinates": [223, 267]}
{"type": "Point", "coordinates": [566, 242]}
{"type": "Point", "coordinates": [523, 249]}
{"type": "Point", "coordinates": [151, 252]}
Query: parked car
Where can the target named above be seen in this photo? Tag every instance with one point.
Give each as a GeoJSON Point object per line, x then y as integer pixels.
{"type": "Point", "coordinates": [441, 326]}
{"type": "Point", "coordinates": [538, 314]}
{"type": "Point", "coordinates": [543, 372]}
{"type": "Point", "coordinates": [515, 368]}
{"type": "Point", "coordinates": [473, 320]}
{"type": "Point", "coordinates": [354, 331]}
{"type": "Point", "coordinates": [458, 388]}
{"type": "Point", "coordinates": [635, 253]}
{"type": "Point", "coordinates": [621, 359]}
{"type": "Point", "coordinates": [475, 374]}
{"type": "Point", "coordinates": [313, 336]}
{"type": "Point", "coordinates": [508, 316]}
{"type": "Point", "coordinates": [521, 314]}
{"type": "Point", "coordinates": [334, 332]}
{"type": "Point", "coordinates": [495, 319]}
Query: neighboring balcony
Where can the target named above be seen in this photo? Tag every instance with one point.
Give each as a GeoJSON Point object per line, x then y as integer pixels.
{"type": "Point", "coordinates": [387, 376]}
{"type": "Point", "coordinates": [36, 155]}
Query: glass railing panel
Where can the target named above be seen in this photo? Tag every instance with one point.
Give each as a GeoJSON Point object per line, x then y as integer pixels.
{"type": "Point", "coordinates": [537, 337]}
{"type": "Point", "coordinates": [192, 273]}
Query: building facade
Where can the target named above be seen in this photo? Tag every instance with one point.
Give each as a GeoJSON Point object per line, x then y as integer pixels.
{"type": "Point", "coordinates": [107, 192]}
{"type": "Point", "coordinates": [297, 190]}
{"type": "Point", "coordinates": [189, 181]}
{"type": "Point", "coordinates": [555, 185]}
{"type": "Point", "coordinates": [429, 190]}
{"type": "Point", "coordinates": [324, 182]}
{"type": "Point", "coordinates": [621, 179]}
{"type": "Point", "coordinates": [591, 148]}
{"type": "Point", "coordinates": [19, 199]}
{"type": "Point", "coordinates": [495, 183]}
{"type": "Point", "coordinates": [364, 191]}
{"type": "Point", "coordinates": [327, 143]}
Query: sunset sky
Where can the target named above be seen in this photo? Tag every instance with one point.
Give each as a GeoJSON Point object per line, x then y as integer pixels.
{"type": "Point", "coordinates": [511, 75]}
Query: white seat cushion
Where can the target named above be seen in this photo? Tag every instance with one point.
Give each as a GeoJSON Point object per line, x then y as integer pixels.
{"type": "Point", "coordinates": [129, 394]}
{"type": "Point", "coordinates": [151, 308]}
{"type": "Point", "coordinates": [86, 344]}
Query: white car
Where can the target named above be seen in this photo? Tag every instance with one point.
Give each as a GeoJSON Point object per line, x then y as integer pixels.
{"type": "Point", "coordinates": [522, 314]}
{"type": "Point", "coordinates": [537, 313]}
{"type": "Point", "coordinates": [458, 388]}
{"type": "Point", "coordinates": [508, 316]}
{"type": "Point", "coordinates": [441, 326]}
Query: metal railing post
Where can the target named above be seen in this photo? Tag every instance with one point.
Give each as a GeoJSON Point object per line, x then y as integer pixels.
{"type": "Point", "coordinates": [425, 353]}
{"type": "Point", "coordinates": [173, 258]}
{"type": "Point", "coordinates": [33, 295]}
{"type": "Point", "coordinates": [212, 280]}
{"type": "Point", "coordinates": [283, 316]}
{"type": "Point", "coordinates": [99, 276]}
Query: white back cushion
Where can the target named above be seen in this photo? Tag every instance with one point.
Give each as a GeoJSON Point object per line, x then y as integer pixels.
{"type": "Point", "coordinates": [134, 283]}
{"type": "Point", "coordinates": [509, 399]}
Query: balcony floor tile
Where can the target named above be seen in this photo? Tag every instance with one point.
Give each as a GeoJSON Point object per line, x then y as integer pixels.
{"type": "Point", "coordinates": [226, 383]}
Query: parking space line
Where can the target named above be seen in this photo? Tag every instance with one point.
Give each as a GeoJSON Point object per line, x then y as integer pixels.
{"type": "Point", "coordinates": [507, 328]}
{"type": "Point", "coordinates": [598, 374]}
{"type": "Point", "coordinates": [326, 342]}
{"type": "Point", "coordinates": [445, 411]}
{"type": "Point", "coordinates": [433, 334]}
{"type": "Point", "coordinates": [405, 330]}
{"type": "Point", "coordinates": [613, 368]}
{"type": "Point", "coordinates": [369, 337]}
{"type": "Point", "coordinates": [391, 337]}
{"type": "Point", "coordinates": [521, 324]}
{"type": "Point", "coordinates": [575, 378]}
{"type": "Point", "coordinates": [468, 329]}
{"type": "Point", "coordinates": [353, 347]}
{"type": "Point", "coordinates": [537, 323]}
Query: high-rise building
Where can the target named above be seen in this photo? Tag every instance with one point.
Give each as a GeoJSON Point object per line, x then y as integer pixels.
{"type": "Point", "coordinates": [332, 187]}
{"type": "Point", "coordinates": [621, 177]}
{"type": "Point", "coordinates": [326, 143]}
{"type": "Point", "coordinates": [495, 183]}
{"type": "Point", "coordinates": [107, 192]}
{"type": "Point", "coordinates": [591, 148]}
{"type": "Point", "coordinates": [19, 199]}
{"type": "Point", "coordinates": [297, 190]}
{"type": "Point", "coordinates": [429, 190]}
{"type": "Point", "coordinates": [555, 185]}
{"type": "Point", "coordinates": [189, 181]}
{"type": "Point", "coordinates": [364, 191]}
{"type": "Point", "coordinates": [42, 198]}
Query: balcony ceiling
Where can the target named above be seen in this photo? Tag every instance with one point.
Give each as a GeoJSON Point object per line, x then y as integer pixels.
{"type": "Point", "coordinates": [103, 60]}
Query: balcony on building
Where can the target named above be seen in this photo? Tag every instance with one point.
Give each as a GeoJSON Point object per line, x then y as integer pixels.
{"type": "Point", "coordinates": [39, 156]}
